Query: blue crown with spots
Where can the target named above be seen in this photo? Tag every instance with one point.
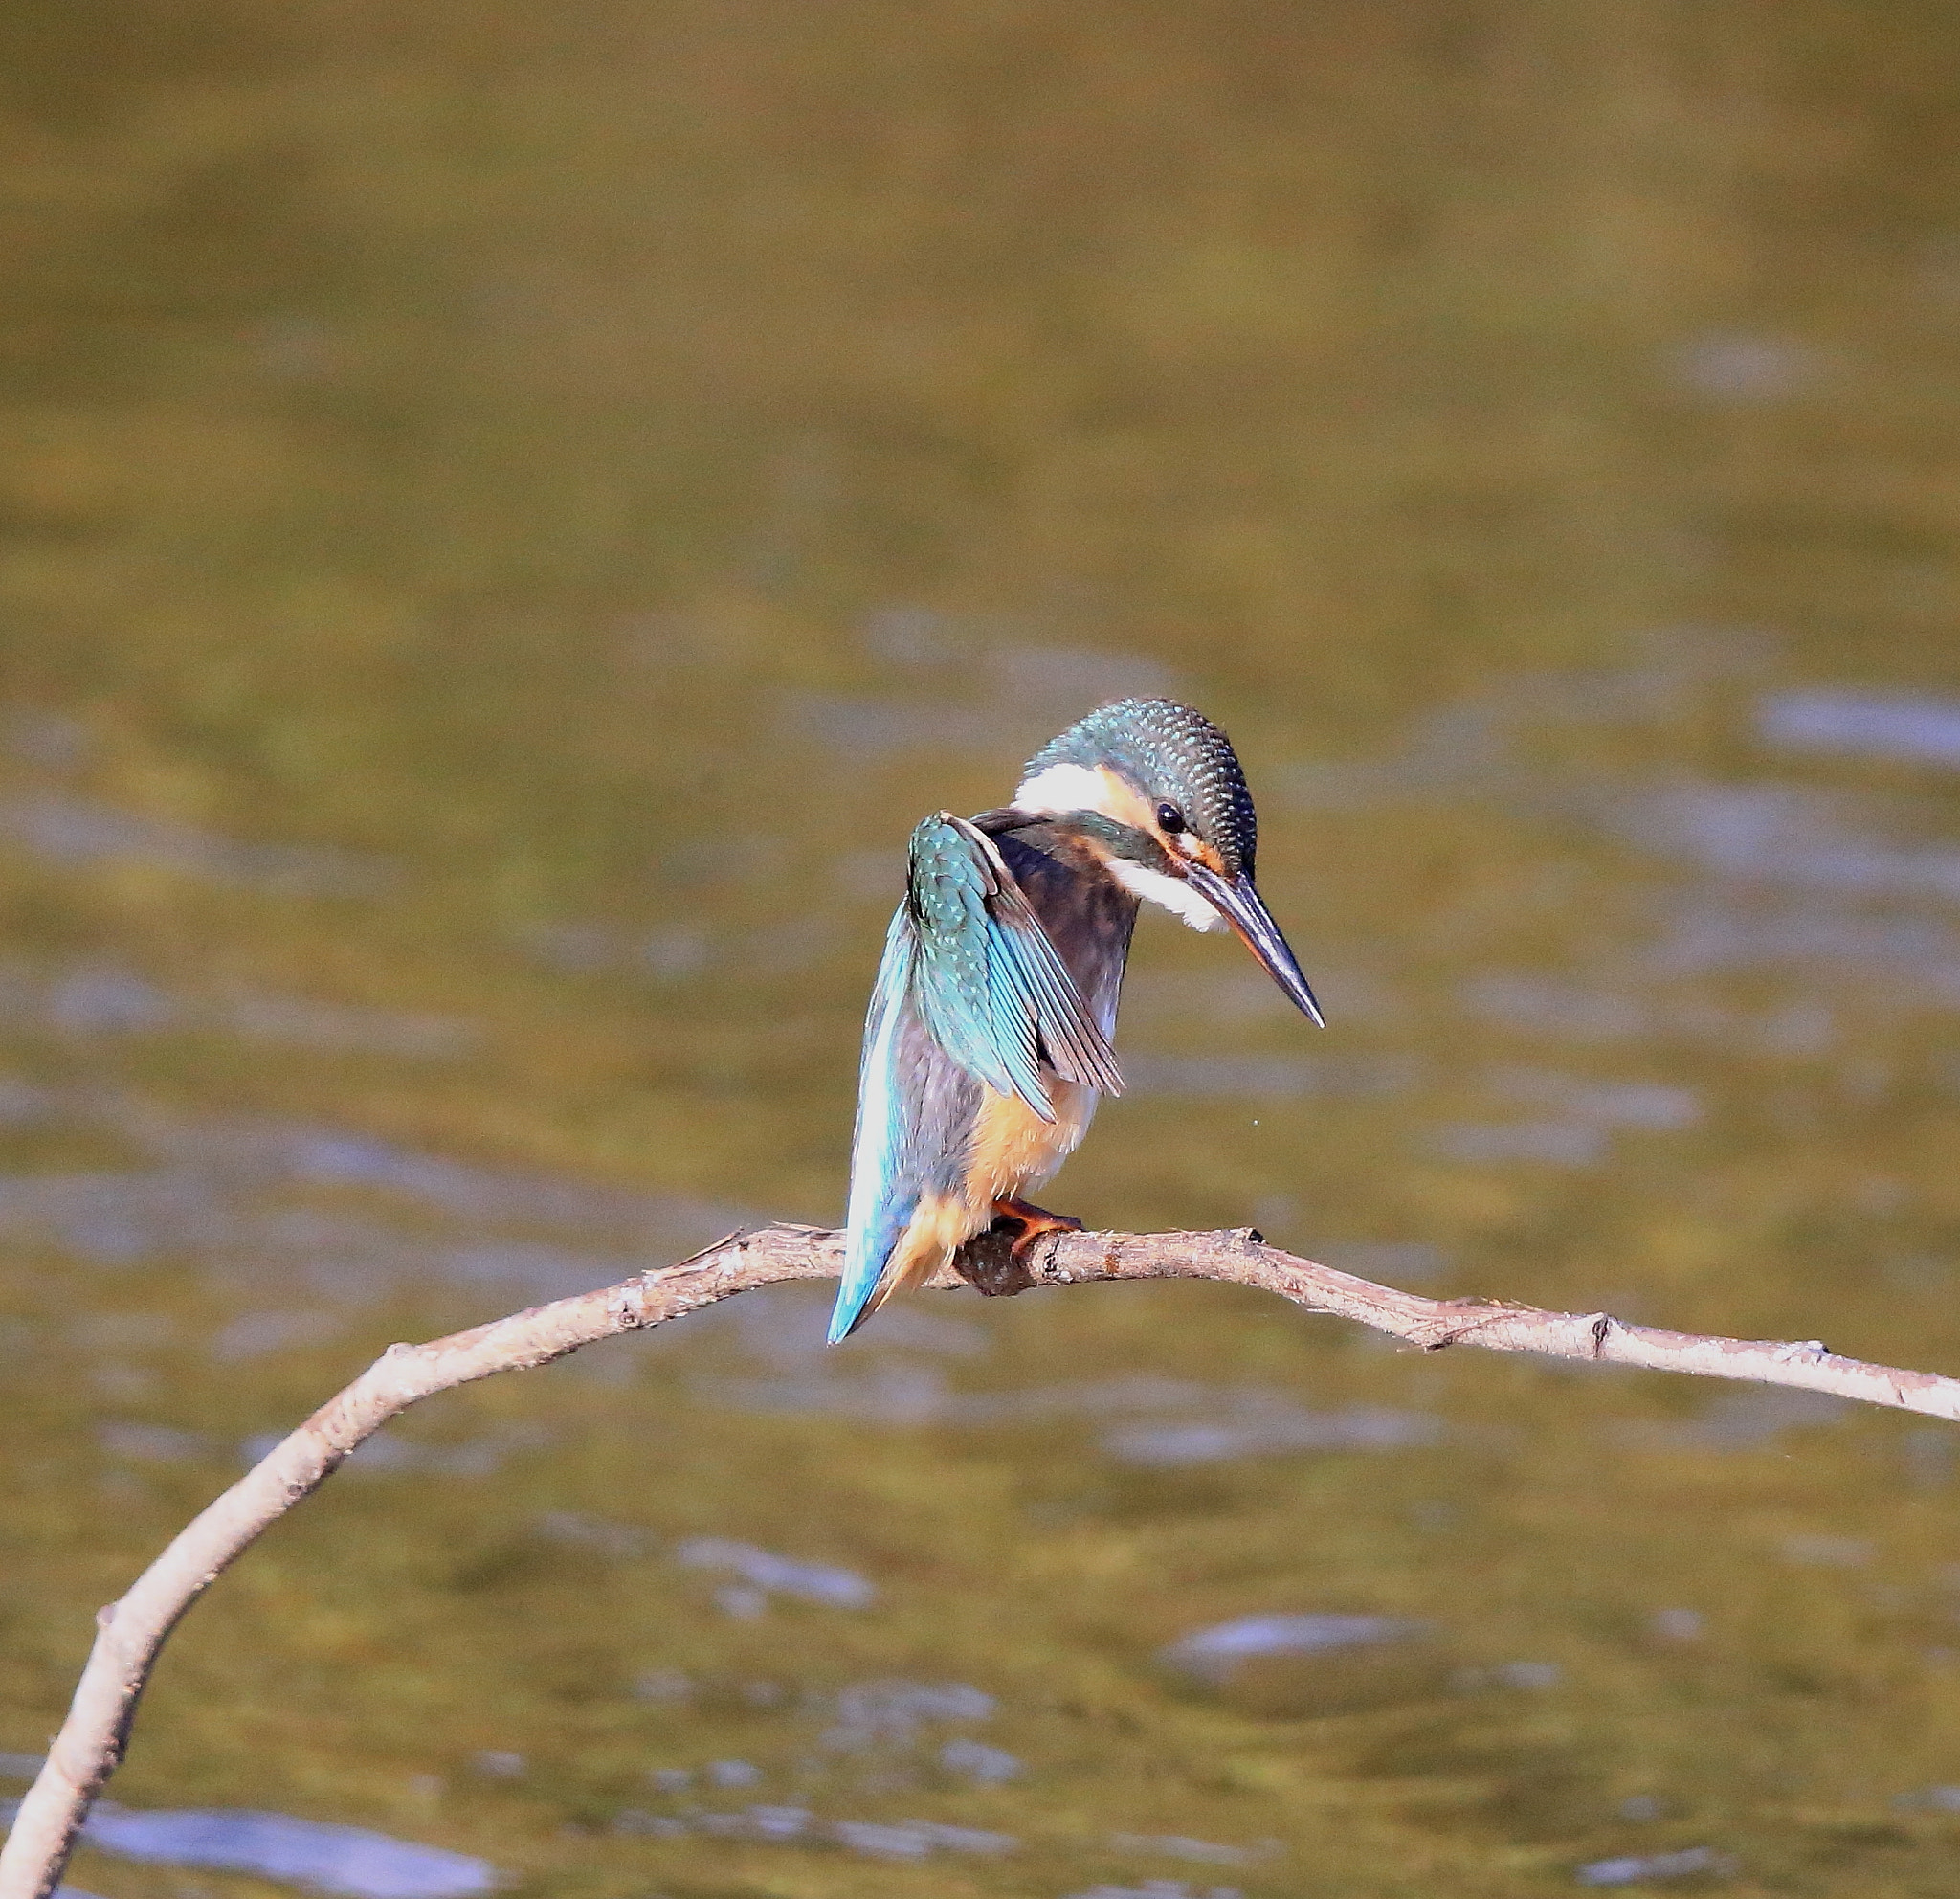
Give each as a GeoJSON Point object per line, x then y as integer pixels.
{"type": "Point", "coordinates": [1173, 755]}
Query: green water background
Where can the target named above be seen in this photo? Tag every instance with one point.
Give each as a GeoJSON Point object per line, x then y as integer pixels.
{"type": "Point", "coordinates": [508, 515]}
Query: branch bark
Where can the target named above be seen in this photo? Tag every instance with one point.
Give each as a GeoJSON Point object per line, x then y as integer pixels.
{"type": "Point", "coordinates": [130, 1633]}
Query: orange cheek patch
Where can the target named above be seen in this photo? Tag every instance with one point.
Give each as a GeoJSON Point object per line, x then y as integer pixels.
{"type": "Point", "coordinates": [1123, 802]}
{"type": "Point", "coordinates": [1128, 805]}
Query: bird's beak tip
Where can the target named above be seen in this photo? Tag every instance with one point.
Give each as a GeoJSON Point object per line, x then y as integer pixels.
{"type": "Point", "coordinates": [1239, 902]}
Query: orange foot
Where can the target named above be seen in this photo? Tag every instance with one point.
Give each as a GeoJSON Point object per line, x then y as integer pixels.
{"type": "Point", "coordinates": [1033, 1222]}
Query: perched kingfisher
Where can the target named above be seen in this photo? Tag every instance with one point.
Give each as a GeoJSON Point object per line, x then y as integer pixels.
{"type": "Point", "coordinates": [987, 1041]}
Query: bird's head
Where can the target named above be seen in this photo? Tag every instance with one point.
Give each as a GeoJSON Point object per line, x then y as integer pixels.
{"type": "Point", "coordinates": [1155, 790]}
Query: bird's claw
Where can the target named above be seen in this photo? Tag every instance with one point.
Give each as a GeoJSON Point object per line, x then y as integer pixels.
{"type": "Point", "coordinates": [997, 1260]}
{"type": "Point", "coordinates": [991, 1261]}
{"type": "Point", "coordinates": [1034, 1222]}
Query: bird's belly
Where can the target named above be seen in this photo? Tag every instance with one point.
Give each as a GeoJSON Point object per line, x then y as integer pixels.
{"type": "Point", "coordinates": [1013, 1148]}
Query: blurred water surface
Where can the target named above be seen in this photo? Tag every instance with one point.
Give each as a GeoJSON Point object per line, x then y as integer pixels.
{"type": "Point", "coordinates": [508, 516]}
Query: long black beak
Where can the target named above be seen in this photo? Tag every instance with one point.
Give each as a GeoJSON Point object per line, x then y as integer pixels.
{"type": "Point", "coordinates": [1237, 901]}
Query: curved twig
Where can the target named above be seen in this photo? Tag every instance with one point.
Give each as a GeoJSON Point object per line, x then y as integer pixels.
{"type": "Point", "coordinates": [132, 1631]}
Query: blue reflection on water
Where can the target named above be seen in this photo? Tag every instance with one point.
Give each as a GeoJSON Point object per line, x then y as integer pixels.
{"type": "Point", "coordinates": [89, 1001]}
{"type": "Point", "coordinates": [1159, 1889]}
{"type": "Point", "coordinates": [1274, 1077]}
{"type": "Point", "coordinates": [1396, 1261]}
{"type": "Point", "coordinates": [781, 1576]}
{"type": "Point", "coordinates": [311, 1853]}
{"type": "Point", "coordinates": [219, 1189]}
{"type": "Point", "coordinates": [1689, 1863]}
{"type": "Point", "coordinates": [1773, 834]}
{"type": "Point", "coordinates": [151, 1444]}
{"type": "Point", "coordinates": [388, 1453]}
{"type": "Point", "coordinates": [1213, 1654]}
{"type": "Point", "coordinates": [49, 740]}
{"type": "Point", "coordinates": [1914, 727]}
{"type": "Point", "coordinates": [102, 999]}
{"type": "Point", "coordinates": [872, 728]}
{"type": "Point", "coordinates": [1727, 367]}
{"type": "Point", "coordinates": [1586, 1111]}
{"type": "Point", "coordinates": [977, 1761]}
{"type": "Point", "coordinates": [1359, 1427]}
{"type": "Point", "coordinates": [785, 1826]}
{"type": "Point", "coordinates": [622, 1541]}
{"type": "Point", "coordinates": [1066, 682]}
{"type": "Point", "coordinates": [1524, 999]}
{"type": "Point", "coordinates": [1831, 1553]}
{"type": "Point", "coordinates": [1032, 674]}
{"type": "Point", "coordinates": [1710, 931]}
{"type": "Point", "coordinates": [1744, 1420]}
{"type": "Point", "coordinates": [672, 955]}
{"type": "Point", "coordinates": [783, 1327]}
{"type": "Point", "coordinates": [891, 1714]}
{"type": "Point", "coordinates": [1602, 1103]}
{"type": "Point", "coordinates": [1034, 687]}
{"type": "Point", "coordinates": [1555, 1143]}
{"type": "Point", "coordinates": [73, 830]}
{"type": "Point", "coordinates": [1765, 872]}
{"type": "Point", "coordinates": [1201, 1852]}
{"type": "Point", "coordinates": [917, 1839]}
{"type": "Point", "coordinates": [1582, 1011]}
{"type": "Point", "coordinates": [1229, 1421]}
{"type": "Point", "coordinates": [1929, 1800]}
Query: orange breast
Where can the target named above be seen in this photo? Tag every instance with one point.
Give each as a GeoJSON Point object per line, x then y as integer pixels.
{"type": "Point", "coordinates": [1015, 1149]}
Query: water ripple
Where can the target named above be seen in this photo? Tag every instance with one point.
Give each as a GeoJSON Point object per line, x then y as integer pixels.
{"type": "Point", "coordinates": [323, 1858]}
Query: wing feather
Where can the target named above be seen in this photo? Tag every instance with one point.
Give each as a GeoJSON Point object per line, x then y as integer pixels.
{"type": "Point", "coordinates": [992, 989]}
{"type": "Point", "coordinates": [1076, 1046]}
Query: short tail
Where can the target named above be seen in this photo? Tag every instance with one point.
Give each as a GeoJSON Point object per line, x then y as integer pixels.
{"type": "Point", "coordinates": [867, 1258]}
{"type": "Point", "coordinates": [855, 1303]}
{"type": "Point", "coordinates": [906, 1251]}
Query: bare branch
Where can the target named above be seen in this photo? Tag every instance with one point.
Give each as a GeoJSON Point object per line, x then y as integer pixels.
{"type": "Point", "coordinates": [131, 1632]}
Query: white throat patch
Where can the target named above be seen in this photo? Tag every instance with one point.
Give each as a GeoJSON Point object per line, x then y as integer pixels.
{"type": "Point", "coordinates": [1173, 892]}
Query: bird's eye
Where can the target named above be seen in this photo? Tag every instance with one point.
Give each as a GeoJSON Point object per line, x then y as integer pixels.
{"type": "Point", "coordinates": [1169, 818]}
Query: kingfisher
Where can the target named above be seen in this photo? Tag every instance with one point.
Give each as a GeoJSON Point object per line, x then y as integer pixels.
{"type": "Point", "coordinates": [987, 1042]}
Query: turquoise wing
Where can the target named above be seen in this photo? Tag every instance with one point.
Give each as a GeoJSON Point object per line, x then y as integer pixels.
{"type": "Point", "coordinates": [992, 989]}
{"type": "Point", "coordinates": [967, 959]}
{"type": "Point", "coordinates": [883, 1191]}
